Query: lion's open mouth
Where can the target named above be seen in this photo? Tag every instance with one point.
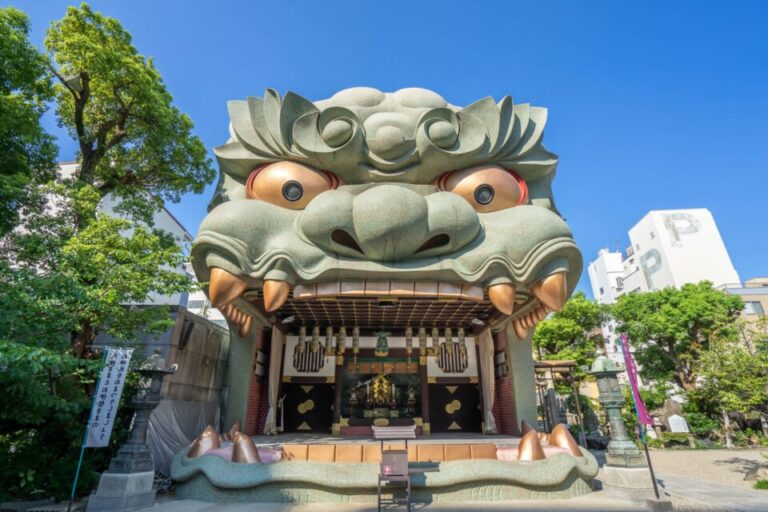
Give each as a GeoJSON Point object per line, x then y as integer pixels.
{"type": "Point", "coordinates": [389, 304]}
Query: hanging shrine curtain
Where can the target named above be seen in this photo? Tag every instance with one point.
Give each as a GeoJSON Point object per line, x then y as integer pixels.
{"type": "Point", "coordinates": [487, 379]}
{"type": "Point", "coordinates": [275, 362]}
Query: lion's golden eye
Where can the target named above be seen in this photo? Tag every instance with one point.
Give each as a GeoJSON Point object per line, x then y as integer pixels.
{"type": "Point", "coordinates": [487, 188]}
{"type": "Point", "coordinates": [288, 184]}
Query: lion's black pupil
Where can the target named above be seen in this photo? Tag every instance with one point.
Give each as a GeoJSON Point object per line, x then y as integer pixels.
{"type": "Point", "coordinates": [484, 194]}
{"type": "Point", "coordinates": [292, 190]}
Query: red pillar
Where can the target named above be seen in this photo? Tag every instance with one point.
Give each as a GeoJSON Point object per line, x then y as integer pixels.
{"type": "Point", "coordinates": [254, 423]}
{"type": "Point", "coordinates": [504, 409]}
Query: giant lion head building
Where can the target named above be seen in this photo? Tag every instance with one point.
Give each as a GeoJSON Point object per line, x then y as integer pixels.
{"type": "Point", "coordinates": [382, 259]}
{"type": "Point", "coordinates": [394, 213]}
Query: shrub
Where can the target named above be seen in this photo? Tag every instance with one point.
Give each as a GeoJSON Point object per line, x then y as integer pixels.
{"type": "Point", "coordinates": [762, 485]}
{"type": "Point", "coordinates": [701, 425]}
{"type": "Point", "coordinates": [669, 440]}
{"type": "Point", "coordinates": [745, 438]}
{"type": "Point", "coordinates": [43, 412]}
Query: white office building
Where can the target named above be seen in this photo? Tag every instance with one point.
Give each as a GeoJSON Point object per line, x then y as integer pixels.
{"type": "Point", "coordinates": [606, 275]}
{"type": "Point", "coordinates": [673, 248]}
{"type": "Point", "coordinates": [667, 248]}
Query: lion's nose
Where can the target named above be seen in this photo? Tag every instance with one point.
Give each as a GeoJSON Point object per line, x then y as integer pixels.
{"type": "Point", "coordinates": [391, 222]}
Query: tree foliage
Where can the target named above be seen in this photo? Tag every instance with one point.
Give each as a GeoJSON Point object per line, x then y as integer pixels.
{"type": "Point", "coordinates": [133, 141]}
{"type": "Point", "coordinates": [42, 408]}
{"type": "Point", "coordinates": [71, 271]}
{"type": "Point", "coordinates": [671, 329]}
{"type": "Point", "coordinates": [572, 332]}
{"type": "Point", "coordinates": [96, 276]}
{"type": "Point", "coordinates": [27, 153]}
{"type": "Point", "coordinates": [733, 377]}
{"type": "Point", "coordinates": [136, 149]}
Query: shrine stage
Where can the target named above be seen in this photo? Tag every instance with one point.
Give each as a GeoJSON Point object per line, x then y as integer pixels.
{"type": "Point", "coordinates": [442, 438]}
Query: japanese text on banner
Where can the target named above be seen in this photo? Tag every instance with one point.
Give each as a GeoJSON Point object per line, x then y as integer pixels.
{"type": "Point", "coordinates": [107, 397]}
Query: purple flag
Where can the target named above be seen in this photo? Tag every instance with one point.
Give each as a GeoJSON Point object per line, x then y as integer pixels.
{"type": "Point", "coordinates": [642, 413]}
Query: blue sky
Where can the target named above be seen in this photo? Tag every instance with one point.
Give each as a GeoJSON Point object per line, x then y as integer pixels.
{"type": "Point", "coordinates": [652, 105]}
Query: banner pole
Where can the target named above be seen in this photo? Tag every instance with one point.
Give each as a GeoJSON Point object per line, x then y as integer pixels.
{"type": "Point", "coordinates": [77, 471]}
{"type": "Point", "coordinates": [85, 436]}
{"type": "Point", "coordinates": [641, 426]}
{"type": "Point", "coordinates": [631, 370]}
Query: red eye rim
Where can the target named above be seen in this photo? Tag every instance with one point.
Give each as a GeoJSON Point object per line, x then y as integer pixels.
{"type": "Point", "coordinates": [520, 183]}
{"type": "Point", "coordinates": [333, 180]}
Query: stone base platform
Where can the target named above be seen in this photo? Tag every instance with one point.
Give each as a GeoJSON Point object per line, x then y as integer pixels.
{"type": "Point", "coordinates": [627, 483]}
{"type": "Point", "coordinates": [123, 491]}
{"type": "Point", "coordinates": [214, 479]}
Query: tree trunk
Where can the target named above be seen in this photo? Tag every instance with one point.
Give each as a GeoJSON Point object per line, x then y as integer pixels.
{"type": "Point", "coordinates": [82, 340]}
{"type": "Point", "coordinates": [687, 382]}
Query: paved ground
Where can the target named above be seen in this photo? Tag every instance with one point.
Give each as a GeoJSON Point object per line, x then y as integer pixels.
{"type": "Point", "coordinates": [691, 494]}
{"type": "Point", "coordinates": [593, 503]}
{"type": "Point", "coordinates": [725, 467]}
{"type": "Point", "coordinates": [695, 480]}
{"type": "Point", "coordinates": [710, 480]}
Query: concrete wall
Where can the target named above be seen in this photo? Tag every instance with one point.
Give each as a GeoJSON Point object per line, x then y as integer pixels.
{"type": "Point", "coordinates": [201, 350]}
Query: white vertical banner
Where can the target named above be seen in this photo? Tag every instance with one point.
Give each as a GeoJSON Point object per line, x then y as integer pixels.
{"type": "Point", "coordinates": [107, 397]}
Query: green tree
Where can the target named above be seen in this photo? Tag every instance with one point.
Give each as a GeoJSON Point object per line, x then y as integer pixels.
{"type": "Point", "coordinates": [733, 377]}
{"type": "Point", "coordinates": [571, 333]}
{"type": "Point", "coordinates": [671, 329]}
{"type": "Point", "coordinates": [74, 271]}
{"type": "Point", "coordinates": [27, 153]}
{"type": "Point", "coordinates": [133, 142]}
{"type": "Point", "coordinates": [135, 147]}
{"type": "Point", "coordinates": [753, 333]}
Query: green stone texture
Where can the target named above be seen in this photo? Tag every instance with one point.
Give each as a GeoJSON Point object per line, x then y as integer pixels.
{"type": "Point", "coordinates": [211, 478]}
{"type": "Point", "coordinates": [387, 148]}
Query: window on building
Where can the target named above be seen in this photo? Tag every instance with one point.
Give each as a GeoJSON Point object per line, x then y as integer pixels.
{"type": "Point", "coordinates": [601, 290]}
{"type": "Point", "coordinates": [652, 235]}
{"type": "Point", "coordinates": [195, 304]}
{"type": "Point", "coordinates": [753, 308]}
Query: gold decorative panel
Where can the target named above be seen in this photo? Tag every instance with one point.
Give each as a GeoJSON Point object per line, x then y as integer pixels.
{"type": "Point", "coordinates": [306, 406]}
{"type": "Point", "coordinates": [452, 407]}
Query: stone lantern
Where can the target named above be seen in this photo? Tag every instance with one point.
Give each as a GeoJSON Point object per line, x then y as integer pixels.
{"type": "Point", "coordinates": [622, 451]}
{"type": "Point", "coordinates": [128, 483]}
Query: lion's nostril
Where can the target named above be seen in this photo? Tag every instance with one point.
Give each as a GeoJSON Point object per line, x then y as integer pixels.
{"type": "Point", "coordinates": [341, 237]}
{"type": "Point", "coordinates": [434, 242]}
